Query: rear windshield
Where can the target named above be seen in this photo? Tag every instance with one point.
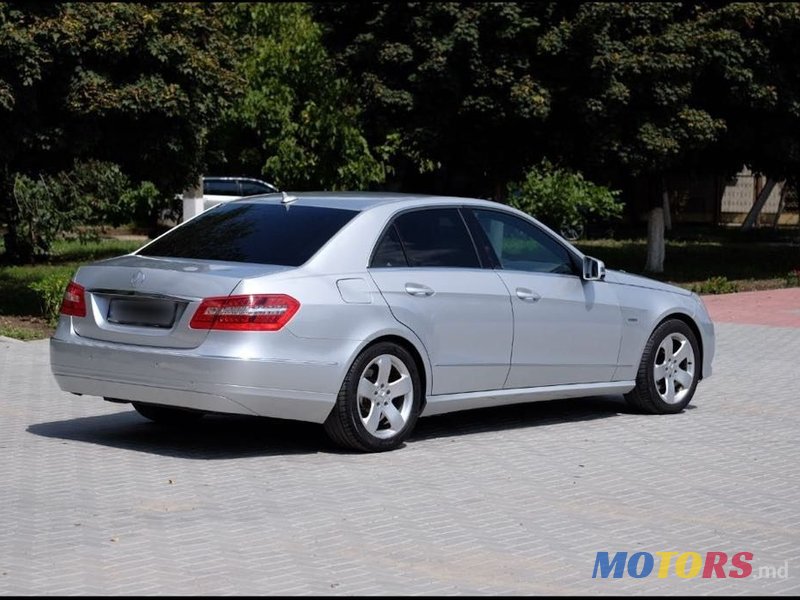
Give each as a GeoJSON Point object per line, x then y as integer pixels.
{"type": "Point", "coordinates": [253, 233]}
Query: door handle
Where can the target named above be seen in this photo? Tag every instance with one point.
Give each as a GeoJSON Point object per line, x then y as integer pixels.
{"type": "Point", "coordinates": [417, 289]}
{"type": "Point", "coordinates": [528, 295]}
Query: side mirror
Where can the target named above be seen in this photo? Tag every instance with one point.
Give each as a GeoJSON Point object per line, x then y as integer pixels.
{"type": "Point", "coordinates": [593, 269]}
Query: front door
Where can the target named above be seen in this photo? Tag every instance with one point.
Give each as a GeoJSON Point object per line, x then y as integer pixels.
{"type": "Point", "coordinates": [566, 330]}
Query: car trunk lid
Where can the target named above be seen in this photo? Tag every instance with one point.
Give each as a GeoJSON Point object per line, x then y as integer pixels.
{"type": "Point", "coordinates": [150, 301]}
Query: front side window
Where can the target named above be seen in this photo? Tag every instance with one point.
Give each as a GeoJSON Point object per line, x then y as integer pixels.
{"type": "Point", "coordinates": [436, 237]}
{"type": "Point", "coordinates": [269, 234]}
{"type": "Point", "coordinates": [521, 246]}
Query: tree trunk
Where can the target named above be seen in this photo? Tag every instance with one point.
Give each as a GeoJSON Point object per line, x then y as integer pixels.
{"type": "Point", "coordinates": [193, 199]}
{"type": "Point", "coordinates": [667, 212]}
{"type": "Point", "coordinates": [758, 206]}
{"type": "Point", "coordinates": [655, 240]}
{"type": "Point", "coordinates": [781, 206]}
{"type": "Point", "coordinates": [500, 192]}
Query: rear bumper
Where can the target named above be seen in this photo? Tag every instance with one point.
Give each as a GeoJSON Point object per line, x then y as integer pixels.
{"type": "Point", "coordinates": [218, 376]}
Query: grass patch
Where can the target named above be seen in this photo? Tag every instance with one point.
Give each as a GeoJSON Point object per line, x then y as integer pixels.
{"type": "Point", "coordinates": [711, 263]}
{"type": "Point", "coordinates": [16, 297]}
{"type": "Point", "coordinates": [21, 333]}
{"type": "Point", "coordinates": [74, 251]}
{"type": "Point", "coordinates": [688, 263]}
{"type": "Point", "coordinates": [715, 285]}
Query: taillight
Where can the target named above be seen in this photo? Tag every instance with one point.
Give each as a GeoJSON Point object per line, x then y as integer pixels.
{"type": "Point", "coordinates": [267, 312]}
{"type": "Point", "coordinates": [74, 302]}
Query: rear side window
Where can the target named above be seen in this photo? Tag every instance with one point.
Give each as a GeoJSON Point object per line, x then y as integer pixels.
{"type": "Point", "coordinates": [436, 237]}
{"type": "Point", "coordinates": [389, 251]}
{"type": "Point", "coordinates": [253, 233]}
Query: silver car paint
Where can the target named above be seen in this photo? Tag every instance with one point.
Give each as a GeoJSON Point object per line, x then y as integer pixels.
{"type": "Point", "coordinates": [466, 323]}
{"type": "Point", "coordinates": [296, 373]}
{"type": "Point", "coordinates": [570, 334]}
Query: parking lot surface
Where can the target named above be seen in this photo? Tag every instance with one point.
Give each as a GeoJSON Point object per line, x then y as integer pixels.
{"type": "Point", "coordinates": [514, 500]}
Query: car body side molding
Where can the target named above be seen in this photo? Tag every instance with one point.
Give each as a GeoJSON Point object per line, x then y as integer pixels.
{"type": "Point", "coordinates": [453, 402]}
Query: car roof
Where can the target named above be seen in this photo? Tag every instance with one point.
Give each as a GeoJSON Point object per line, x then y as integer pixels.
{"type": "Point", "coordinates": [360, 201]}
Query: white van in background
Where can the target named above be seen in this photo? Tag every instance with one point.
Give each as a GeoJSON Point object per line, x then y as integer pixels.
{"type": "Point", "coordinates": [217, 190]}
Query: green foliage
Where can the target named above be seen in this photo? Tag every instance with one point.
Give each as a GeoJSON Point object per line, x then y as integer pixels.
{"type": "Point", "coordinates": [715, 285]}
{"type": "Point", "coordinates": [17, 283]}
{"type": "Point", "coordinates": [50, 292]}
{"type": "Point", "coordinates": [628, 87]}
{"type": "Point", "coordinates": [93, 189]}
{"type": "Point", "coordinates": [793, 278]}
{"type": "Point", "coordinates": [19, 333]}
{"type": "Point", "coordinates": [298, 122]}
{"type": "Point", "coordinates": [91, 193]}
{"type": "Point", "coordinates": [450, 89]}
{"type": "Point", "coordinates": [122, 100]}
{"type": "Point", "coordinates": [142, 202]}
{"type": "Point", "coordinates": [474, 93]}
{"type": "Point", "coordinates": [39, 213]}
{"type": "Point", "coordinates": [559, 197]}
{"type": "Point", "coordinates": [75, 251]}
{"type": "Point", "coordinates": [133, 84]}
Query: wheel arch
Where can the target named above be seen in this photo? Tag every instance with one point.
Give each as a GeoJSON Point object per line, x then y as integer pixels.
{"type": "Point", "coordinates": [412, 350]}
{"type": "Point", "coordinates": [413, 347]}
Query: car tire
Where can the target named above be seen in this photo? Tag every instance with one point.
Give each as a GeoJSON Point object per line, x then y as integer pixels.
{"type": "Point", "coordinates": [669, 370]}
{"type": "Point", "coordinates": [167, 415]}
{"type": "Point", "coordinates": [379, 402]}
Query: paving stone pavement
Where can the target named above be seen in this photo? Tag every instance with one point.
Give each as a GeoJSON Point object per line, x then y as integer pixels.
{"type": "Point", "coordinates": [514, 500]}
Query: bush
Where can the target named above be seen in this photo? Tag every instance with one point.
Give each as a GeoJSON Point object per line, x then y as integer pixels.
{"type": "Point", "coordinates": [561, 198]}
{"type": "Point", "coordinates": [146, 205]}
{"type": "Point", "coordinates": [793, 278]}
{"type": "Point", "coordinates": [50, 292]}
{"type": "Point", "coordinates": [91, 194]}
{"type": "Point", "coordinates": [715, 285]}
{"type": "Point", "coordinates": [39, 213]}
{"type": "Point", "coordinates": [95, 188]}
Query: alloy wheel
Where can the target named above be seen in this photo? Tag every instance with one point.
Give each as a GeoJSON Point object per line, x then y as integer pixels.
{"type": "Point", "coordinates": [674, 368]}
{"type": "Point", "coordinates": [385, 396]}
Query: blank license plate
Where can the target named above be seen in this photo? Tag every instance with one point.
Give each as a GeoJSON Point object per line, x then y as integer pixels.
{"type": "Point", "coordinates": [147, 313]}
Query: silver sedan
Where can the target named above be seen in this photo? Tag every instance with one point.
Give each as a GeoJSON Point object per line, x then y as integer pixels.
{"type": "Point", "coordinates": [364, 312]}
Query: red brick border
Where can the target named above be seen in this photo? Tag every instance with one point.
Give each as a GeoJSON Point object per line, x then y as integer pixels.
{"type": "Point", "coordinates": [779, 308]}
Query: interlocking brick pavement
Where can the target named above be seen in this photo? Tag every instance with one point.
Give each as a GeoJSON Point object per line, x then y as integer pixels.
{"type": "Point", "coordinates": [512, 500]}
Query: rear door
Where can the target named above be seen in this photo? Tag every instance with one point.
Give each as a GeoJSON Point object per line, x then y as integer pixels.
{"type": "Point", "coordinates": [427, 268]}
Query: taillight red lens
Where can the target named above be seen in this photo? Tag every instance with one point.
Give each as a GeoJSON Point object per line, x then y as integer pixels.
{"type": "Point", "coordinates": [268, 312]}
{"type": "Point", "coordinates": [74, 302]}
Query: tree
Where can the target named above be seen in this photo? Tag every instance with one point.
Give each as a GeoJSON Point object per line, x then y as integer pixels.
{"type": "Point", "coordinates": [449, 88]}
{"type": "Point", "coordinates": [137, 85]}
{"type": "Point", "coordinates": [475, 92]}
{"type": "Point", "coordinates": [669, 89]}
{"type": "Point", "coordinates": [765, 131]}
{"type": "Point", "coordinates": [297, 123]}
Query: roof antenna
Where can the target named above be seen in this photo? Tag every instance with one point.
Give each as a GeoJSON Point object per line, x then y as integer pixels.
{"type": "Point", "coordinates": [286, 198]}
